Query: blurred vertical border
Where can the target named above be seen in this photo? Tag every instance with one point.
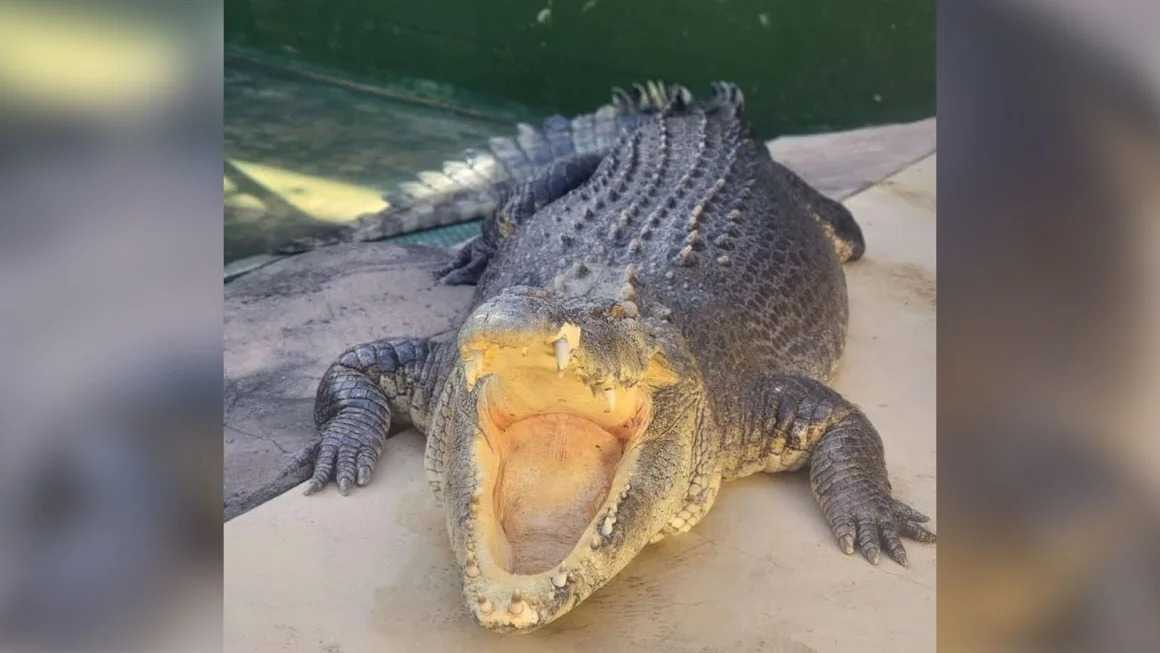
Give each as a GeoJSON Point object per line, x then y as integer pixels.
{"type": "Point", "coordinates": [1049, 332]}
{"type": "Point", "coordinates": [110, 325]}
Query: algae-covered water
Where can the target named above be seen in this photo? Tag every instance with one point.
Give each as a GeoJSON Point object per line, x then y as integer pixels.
{"type": "Point", "coordinates": [307, 149]}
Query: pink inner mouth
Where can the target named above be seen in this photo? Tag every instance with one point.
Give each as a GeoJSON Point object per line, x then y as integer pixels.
{"type": "Point", "coordinates": [554, 476]}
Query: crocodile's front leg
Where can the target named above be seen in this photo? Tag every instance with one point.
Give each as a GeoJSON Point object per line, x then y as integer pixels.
{"type": "Point", "coordinates": [360, 394]}
{"type": "Point", "coordinates": [793, 420]}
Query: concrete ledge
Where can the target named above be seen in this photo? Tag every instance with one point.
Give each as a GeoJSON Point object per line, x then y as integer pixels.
{"type": "Point", "coordinates": [286, 322]}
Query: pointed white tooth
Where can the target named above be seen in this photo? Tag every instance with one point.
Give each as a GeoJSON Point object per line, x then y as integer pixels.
{"type": "Point", "coordinates": [610, 400]}
{"type": "Point", "coordinates": [472, 366]}
{"type": "Point", "coordinates": [563, 353]}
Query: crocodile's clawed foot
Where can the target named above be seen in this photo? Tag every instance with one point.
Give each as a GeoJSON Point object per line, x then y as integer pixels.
{"type": "Point", "coordinates": [879, 524]}
{"type": "Point", "coordinates": [468, 265]}
{"type": "Point", "coordinates": [346, 460]}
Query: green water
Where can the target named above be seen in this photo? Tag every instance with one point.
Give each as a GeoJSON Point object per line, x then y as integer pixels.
{"type": "Point", "coordinates": [805, 67]}
{"type": "Point", "coordinates": [306, 150]}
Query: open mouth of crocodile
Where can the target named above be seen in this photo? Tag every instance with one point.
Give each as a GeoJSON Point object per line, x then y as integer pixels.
{"type": "Point", "coordinates": [551, 456]}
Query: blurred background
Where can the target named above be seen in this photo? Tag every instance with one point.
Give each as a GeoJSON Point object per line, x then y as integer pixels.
{"type": "Point", "coordinates": [1049, 326]}
{"type": "Point", "coordinates": [110, 326]}
{"type": "Point", "coordinates": [111, 246]}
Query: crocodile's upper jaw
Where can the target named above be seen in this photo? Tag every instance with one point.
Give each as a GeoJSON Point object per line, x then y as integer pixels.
{"type": "Point", "coordinates": [554, 501]}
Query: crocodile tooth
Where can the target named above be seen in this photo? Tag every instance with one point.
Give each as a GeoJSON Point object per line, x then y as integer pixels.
{"type": "Point", "coordinates": [472, 571]}
{"type": "Point", "coordinates": [560, 579]}
{"type": "Point", "coordinates": [610, 402]}
{"type": "Point", "coordinates": [517, 605]}
{"type": "Point", "coordinates": [723, 260]}
{"type": "Point", "coordinates": [485, 605]}
{"type": "Point", "coordinates": [596, 541]}
{"type": "Point", "coordinates": [472, 366]}
{"type": "Point", "coordinates": [563, 353]}
{"type": "Point", "coordinates": [606, 527]}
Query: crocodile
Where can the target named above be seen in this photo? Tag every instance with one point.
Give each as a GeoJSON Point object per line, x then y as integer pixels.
{"type": "Point", "coordinates": [649, 321]}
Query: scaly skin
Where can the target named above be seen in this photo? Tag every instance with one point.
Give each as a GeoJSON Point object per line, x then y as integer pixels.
{"type": "Point", "coordinates": [683, 271]}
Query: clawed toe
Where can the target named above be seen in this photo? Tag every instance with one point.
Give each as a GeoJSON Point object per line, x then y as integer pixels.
{"type": "Point", "coordinates": [467, 267]}
{"type": "Point", "coordinates": [917, 533]}
{"type": "Point", "coordinates": [873, 531]}
{"type": "Point", "coordinates": [346, 464]}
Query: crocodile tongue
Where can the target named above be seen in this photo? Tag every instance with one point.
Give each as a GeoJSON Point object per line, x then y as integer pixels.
{"type": "Point", "coordinates": [555, 476]}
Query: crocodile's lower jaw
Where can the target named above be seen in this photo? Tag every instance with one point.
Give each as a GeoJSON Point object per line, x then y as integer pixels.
{"type": "Point", "coordinates": [550, 459]}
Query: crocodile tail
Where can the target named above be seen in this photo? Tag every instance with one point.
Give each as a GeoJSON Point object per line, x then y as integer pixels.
{"type": "Point", "coordinates": [474, 185]}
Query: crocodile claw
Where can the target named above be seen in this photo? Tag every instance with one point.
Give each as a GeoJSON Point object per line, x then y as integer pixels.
{"type": "Point", "coordinates": [343, 458]}
{"type": "Point", "coordinates": [879, 525]}
{"type": "Point", "coordinates": [467, 266]}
